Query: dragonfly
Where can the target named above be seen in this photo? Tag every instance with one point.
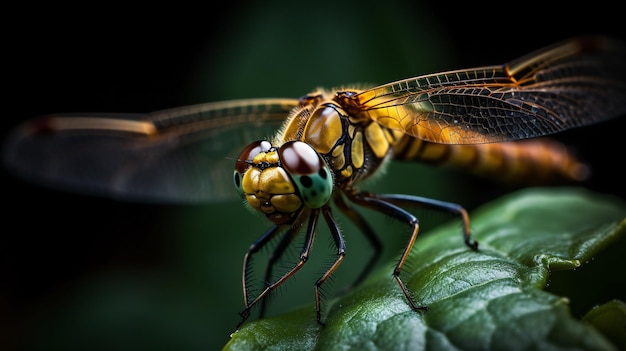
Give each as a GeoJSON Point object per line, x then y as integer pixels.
{"type": "Point", "coordinates": [313, 152]}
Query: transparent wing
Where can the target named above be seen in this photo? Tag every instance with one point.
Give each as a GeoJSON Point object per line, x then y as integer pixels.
{"type": "Point", "coordinates": [574, 83]}
{"type": "Point", "coordinates": [181, 155]}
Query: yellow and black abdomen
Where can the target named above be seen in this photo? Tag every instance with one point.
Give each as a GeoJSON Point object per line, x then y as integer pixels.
{"type": "Point", "coordinates": [532, 161]}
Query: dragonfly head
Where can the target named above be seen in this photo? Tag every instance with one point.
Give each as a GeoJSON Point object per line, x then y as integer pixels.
{"type": "Point", "coordinates": [279, 181]}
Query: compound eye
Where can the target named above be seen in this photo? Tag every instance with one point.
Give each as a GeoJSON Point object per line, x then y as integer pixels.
{"type": "Point", "coordinates": [248, 153]}
{"type": "Point", "coordinates": [243, 161]}
{"type": "Point", "coordinates": [309, 172]}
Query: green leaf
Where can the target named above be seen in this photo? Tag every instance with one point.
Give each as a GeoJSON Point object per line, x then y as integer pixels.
{"type": "Point", "coordinates": [490, 299]}
{"type": "Point", "coordinates": [610, 319]}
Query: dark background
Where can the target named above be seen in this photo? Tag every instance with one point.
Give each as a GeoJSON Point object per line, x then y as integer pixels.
{"type": "Point", "coordinates": [83, 272]}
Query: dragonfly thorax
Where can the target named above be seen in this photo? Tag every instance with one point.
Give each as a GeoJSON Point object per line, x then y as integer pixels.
{"type": "Point", "coordinates": [353, 144]}
{"type": "Point", "coordinates": [281, 181]}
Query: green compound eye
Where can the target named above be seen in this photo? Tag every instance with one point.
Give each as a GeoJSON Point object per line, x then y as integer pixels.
{"type": "Point", "coordinates": [309, 172]}
{"type": "Point", "coordinates": [314, 189]}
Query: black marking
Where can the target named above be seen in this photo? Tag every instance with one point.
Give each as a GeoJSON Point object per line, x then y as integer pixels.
{"type": "Point", "coordinates": [306, 181]}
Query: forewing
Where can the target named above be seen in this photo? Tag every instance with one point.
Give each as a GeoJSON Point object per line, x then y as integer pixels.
{"type": "Point", "coordinates": [182, 155]}
{"type": "Point", "coordinates": [571, 84]}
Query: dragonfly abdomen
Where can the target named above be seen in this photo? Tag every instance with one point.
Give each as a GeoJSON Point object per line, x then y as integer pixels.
{"type": "Point", "coordinates": [533, 161]}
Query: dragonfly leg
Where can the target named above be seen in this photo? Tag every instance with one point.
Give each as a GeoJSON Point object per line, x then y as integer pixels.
{"type": "Point", "coordinates": [373, 202]}
{"type": "Point", "coordinates": [424, 202]}
{"type": "Point", "coordinates": [304, 256]}
{"type": "Point", "coordinates": [369, 233]}
{"type": "Point", "coordinates": [276, 255]}
{"type": "Point", "coordinates": [247, 258]}
{"type": "Point", "coordinates": [341, 253]}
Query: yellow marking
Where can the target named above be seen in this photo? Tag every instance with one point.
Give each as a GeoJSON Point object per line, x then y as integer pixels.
{"type": "Point", "coordinates": [272, 157]}
{"type": "Point", "coordinates": [102, 123]}
{"type": "Point", "coordinates": [338, 150]}
{"type": "Point", "coordinates": [346, 173]}
{"type": "Point", "coordinates": [376, 139]}
{"type": "Point", "coordinates": [258, 158]}
{"type": "Point", "coordinates": [410, 147]}
{"type": "Point", "coordinates": [351, 130]}
{"type": "Point", "coordinates": [463, 155]}
{"type": "Point", "coordinates": [338, 159]}
{"type": "Point", "coordinates": [269, 157]}
{"type": "Point", "coordinates": [434, 152]}
{"type": "Point", "coordinates": [357, 150]}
